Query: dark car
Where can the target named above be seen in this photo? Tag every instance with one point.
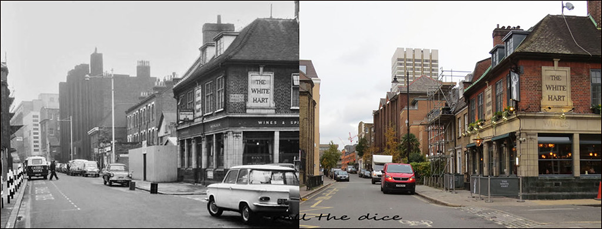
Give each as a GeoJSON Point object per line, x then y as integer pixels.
{"type": "Point", "coordinates": [351, 170]}
{"type": "Point", "coordinates": [361, 173]}
{"type": "Point", "coordinates": [398, 177]}
{"type": "Point", "coordinates": [341, 176]}
{"type": "Point", "coordinates": [367, 174]}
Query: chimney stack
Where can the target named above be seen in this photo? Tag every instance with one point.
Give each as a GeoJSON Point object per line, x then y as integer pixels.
{"type": "Point", "coordinates": [210, 30]}
{"type": "Point", "coordinates": [143, 69]}
{"type": "Point", "coordinates": [500, 33]}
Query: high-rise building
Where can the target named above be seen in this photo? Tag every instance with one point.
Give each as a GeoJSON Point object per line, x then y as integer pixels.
{"type": "Point", "coordinates": [27, 140]}
{"type": "Point", "coordinates": [417, 62]}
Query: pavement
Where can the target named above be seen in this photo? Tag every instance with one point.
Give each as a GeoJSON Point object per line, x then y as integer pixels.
{"type": "Point", "coordinates": [463, 198]}
{"type": "Point", "coordinates": [10, 210]}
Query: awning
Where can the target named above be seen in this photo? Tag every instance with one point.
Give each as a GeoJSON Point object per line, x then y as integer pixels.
{"type": "Point", "coordinates": [590, 142]}
{"type": "Point", "coordinates": [471, 145]}
{"type": "Point", "coordinates": [501, 136]}
{"type": "Point", "coordinates": [555, 140]}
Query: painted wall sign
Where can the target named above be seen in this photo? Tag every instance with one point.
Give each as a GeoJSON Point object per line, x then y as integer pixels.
{"type": "Point", "coordinates": [556, 89]}
{"type": "Point", "coordinates": [198, 104]}
{"type": "Point", "coordinates": [261, 90]}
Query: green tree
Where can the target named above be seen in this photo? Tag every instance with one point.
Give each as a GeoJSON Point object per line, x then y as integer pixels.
{"type": "Point", "coordinates": [330, 157]}
{"type": "Point", "coordinates": [414, 146]}
{"type": "Point", "coordinates": [361, 147]}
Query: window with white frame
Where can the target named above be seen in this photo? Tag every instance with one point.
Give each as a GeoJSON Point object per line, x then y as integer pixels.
{"type": "Point", "coordinates": [190, 100]}
{"type": "Point", "coordinates": [219, 47]}
{"type": "Point", "coordinates": [220, 93]}
{"type": "Point", "coordinates": [209, 101]}
{"type": "Point", "coordinates": [295, 91]}
{"type": "Point", "coordinates": [459, 126]}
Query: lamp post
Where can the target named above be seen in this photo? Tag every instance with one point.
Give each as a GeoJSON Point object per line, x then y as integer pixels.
{"type": "Point", "coordinates": [408, 111]}
{"type": "Point", "coordinates": [112, 114]}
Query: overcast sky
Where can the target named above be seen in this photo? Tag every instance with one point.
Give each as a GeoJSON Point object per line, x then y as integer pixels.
{"type": "Point", "coordinates": [44, 40]}
{"type": "Point", "coordinates": [351, 45]}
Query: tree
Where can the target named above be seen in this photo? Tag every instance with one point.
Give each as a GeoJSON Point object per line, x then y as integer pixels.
{"type": "Point", "coordinates": [414, 145]}
{"type": "Point", "coordinates": [361, 147]}
{"type": "Point", "coordinates": [330, 157]}
{"type": "Point", "coordinates": [392, 144]}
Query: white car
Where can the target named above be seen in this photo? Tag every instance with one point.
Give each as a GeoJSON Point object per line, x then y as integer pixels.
{"type": "Point", "coordinates": [255, 191]}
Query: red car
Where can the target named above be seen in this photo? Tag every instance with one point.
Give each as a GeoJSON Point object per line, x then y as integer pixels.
{"type": "Point", "coordinates": [398, 177]}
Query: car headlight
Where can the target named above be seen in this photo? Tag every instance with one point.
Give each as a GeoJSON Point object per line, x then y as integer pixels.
{"type": "Point", "coordinates": [111, 174]}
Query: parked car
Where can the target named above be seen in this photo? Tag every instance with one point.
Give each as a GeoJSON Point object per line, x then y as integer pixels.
{"type": "Point", "coordinates": [63, 168]}
{"type": "Point", "coordinates": [341, 176]}
{"type": "Point", "coordinates": [398, 177]}
{"type": "Point", "coordinates": [116, 173]}
{"type": "Point", "coordinates": [36, 166]}
{"type": "Point", "coordinates": [333, 171]}
{"type": "Point", "coordinates": [351, 170]}
{"type": "Point", "coordinates": [367, 174]}
{"type": "Point", "coordinates": [254, 191]}
{"type": "Point", "coordinates": [91, 169]}
{"type": "Point", "coordinates": [76, 167]}
{"type": "Point", "coordinates": [361, 173]}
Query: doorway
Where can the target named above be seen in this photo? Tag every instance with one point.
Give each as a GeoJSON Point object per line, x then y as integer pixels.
{"type": "Point", "coordinates": [144, 167]}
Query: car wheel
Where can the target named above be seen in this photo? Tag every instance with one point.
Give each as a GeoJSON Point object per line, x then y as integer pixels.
{"type": "Point", "coordinates": [104, 181]}
{"type": "Point", "coordinates": [247, 215]}
{"type": "Point", "coordinates": [373, 181]}
{"type": "Point", "coordinates": [110, 183]}
{"type": "Point", "coordinates": [213, 209]}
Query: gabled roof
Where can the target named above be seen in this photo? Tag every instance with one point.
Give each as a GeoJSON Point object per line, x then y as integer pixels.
{"type": "Point", "coordinates": [551, 35]}
{"type": "Point", "coordinates": [480, 70]}
{"type": "Point", "coordinates": [264, 40]}
{"type": "Point", "coordinates": [167, 117]}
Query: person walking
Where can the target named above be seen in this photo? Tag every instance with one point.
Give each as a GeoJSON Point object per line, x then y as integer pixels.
{"type": "Point", "coordinates": [52, 170]}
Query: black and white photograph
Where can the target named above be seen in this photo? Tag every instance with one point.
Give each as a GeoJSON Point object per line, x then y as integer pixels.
{"type": "Point", "coordinates": [150, 114]}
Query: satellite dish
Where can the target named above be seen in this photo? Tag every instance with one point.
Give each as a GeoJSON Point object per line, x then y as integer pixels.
{"type": "Point", "coordinates": [569, 6]}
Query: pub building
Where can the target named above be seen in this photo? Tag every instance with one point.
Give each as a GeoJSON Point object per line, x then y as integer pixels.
{"type": "Point", "coordinates": [238, 104]}
{"type": "Point", "coordinates": [532, 114]}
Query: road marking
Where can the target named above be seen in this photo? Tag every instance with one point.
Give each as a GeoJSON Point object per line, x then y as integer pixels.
{"type": "Point", "coordinates": [57, 188]}
{"type": "Point", "coordinates": [550, 209]}
{"type": "Point", "coordinates": [313, 206]}
{"type": "Point", "coordinates": [417, 223]}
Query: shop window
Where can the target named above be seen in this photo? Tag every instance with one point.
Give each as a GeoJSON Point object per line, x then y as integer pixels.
{"type": "Point", "coordinates": [288, 147]}
{"type": "Point", "coordinates": [210, 151]}
{"type": "Point", "coordinates": [182, 153]}
{"type": "Point", "coordinates": [555, 154]}
{"type": "Point", "coordinates": [219, 149]}
{"type": "Point", "coordinates": [590, 155]}
{"type": "Point", "coordinates": [189, 156]}
{"type": "Point", "coordinates": [257, 148]}
{"type": "Point", "coordinates": [491, 159]}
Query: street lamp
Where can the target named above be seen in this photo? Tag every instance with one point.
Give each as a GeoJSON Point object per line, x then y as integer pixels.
{"type": "Point", "coordinates": [71, 135]}
{"type": "Point", "coordinates": [408, 111]}
{"type": "Point", "coordinates": [112, 113]}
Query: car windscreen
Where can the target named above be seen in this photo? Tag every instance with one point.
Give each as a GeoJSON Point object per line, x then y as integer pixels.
{"type": "Point", "coordinates": [399, 169]}
{"type": "Point", "coordinates": [378, 167]}
{"type": "Point", "coordinates": [273, 177]}
{"type": "Point", "coordinates": [91, 165]}
{"type": "Point", "coordinates": [36, 161]}
{"type": "Point", "coordinates": [117, 168]}
{"type": "Point", "coordinates": [343, 173]}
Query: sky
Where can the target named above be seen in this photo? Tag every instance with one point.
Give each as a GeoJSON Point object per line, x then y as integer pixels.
{"type": "Point", "coordinates": [351, 45]}
{"type": "Point", "coordinates": [42, 41]}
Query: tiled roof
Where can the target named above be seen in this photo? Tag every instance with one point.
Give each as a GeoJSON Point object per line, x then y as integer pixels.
{"type": "Point", "coordinates": [480, 69]}
{"type": "Point", "coordinates": [310, 71]}
{"type": "Point", "coordinates": [422, 84]}
{"type": "Point", "coordinates": [265, 39]}
{"type": "Point", "coordinates": [551, 35]}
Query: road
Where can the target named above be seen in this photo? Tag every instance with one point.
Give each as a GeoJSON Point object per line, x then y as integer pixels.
{"type": "Point", "coordinates": [83, 202]}
{"type": "Point", "coordinates": [360, 204]}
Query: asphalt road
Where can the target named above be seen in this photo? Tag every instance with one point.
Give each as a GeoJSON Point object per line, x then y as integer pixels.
{"type": "Point", "coordinates": [84, 202]}
{"type": "Point", "coordinates": [360, 204]}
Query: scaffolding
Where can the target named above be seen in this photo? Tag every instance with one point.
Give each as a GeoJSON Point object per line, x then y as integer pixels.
{"type": "Point", "coordinates": [440, 119]}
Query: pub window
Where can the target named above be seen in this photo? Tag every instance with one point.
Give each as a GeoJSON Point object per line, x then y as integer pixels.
{"type": "Point", "coordinates": [481, 108]}
{"type": "Point", "coordinates": [220, 93]}
{"type": "Point", "coordinates": [295, 91]}
{"type": "Point", "coordinates": [596, 91]}
{"type": "Point", "coordinates": [555, 154]}
{"type": "Point", "coordinates": [508, 91]}
{"type": "Point", "coordinates": [499, 94]}
{"type": "Point", "coordinates": [590, 154]}
{"type": "Point", "coordinates": [209, 101]}
{"type": "Point", "coordinates": [190, 100]}
{"type": "Point", "coordinates": [472, 110]}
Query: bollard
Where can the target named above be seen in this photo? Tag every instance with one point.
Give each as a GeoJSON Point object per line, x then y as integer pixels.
{"type": "Point", "coordinates": [520, 190]}
{"type": "Point", "coordinates": [153, 188]}
{"type": "Point", "coordinates": [132, 185]}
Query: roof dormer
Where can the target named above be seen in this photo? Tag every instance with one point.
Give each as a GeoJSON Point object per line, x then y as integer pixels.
{"type": "Point", "coordinates": [223, 41]}
{"type": "Point", "coordinates": [513, 39]}
{"type": "Point", "coordinates": [207, 52]}
{"type": "Point", "coordinates": [497, 54]}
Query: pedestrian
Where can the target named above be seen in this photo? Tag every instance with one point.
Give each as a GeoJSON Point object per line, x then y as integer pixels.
{"type": "Point", "coordinates": [52, 170]}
